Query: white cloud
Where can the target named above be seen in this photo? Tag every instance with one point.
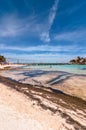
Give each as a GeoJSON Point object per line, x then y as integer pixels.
{"type": "Point", "coordinates": [73, 36]}
{"type": "Point", "coordinates": [12, 25]}
{"type": "Point", "coordinates": [48, 57]}
{"type": "Point", "coordinates": [45, 35]}
{"type": "Point", "coordinates": [41, 48]}
{"type": "Point", "coordinates": [45, 57]}
{"type": "Point", "coordinates": [53, 13]}
{"type": "Point", "coordinates": [45, 48]}
{"type": "Point", "coordinates": [9, 26]}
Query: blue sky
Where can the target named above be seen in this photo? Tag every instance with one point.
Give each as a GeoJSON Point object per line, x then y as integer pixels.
{"type": "Point", "coordinates": [43, 31]}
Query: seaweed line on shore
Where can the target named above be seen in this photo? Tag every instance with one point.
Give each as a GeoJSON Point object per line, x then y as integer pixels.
{"type": "Point", "coordinates": [70, 102]}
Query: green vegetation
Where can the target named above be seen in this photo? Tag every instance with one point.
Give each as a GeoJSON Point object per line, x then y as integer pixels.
{"type": "Point", "coordinates": [78, 60]}
{"type": "Point", "coordinates": [2, 59]}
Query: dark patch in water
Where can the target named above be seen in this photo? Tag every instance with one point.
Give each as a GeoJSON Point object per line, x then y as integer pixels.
{"type": "Point", "coordinates": [83, 69]}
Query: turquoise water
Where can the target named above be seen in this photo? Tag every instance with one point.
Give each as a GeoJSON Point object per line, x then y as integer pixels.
{"type": "Point", "coordinates": [78, 69]}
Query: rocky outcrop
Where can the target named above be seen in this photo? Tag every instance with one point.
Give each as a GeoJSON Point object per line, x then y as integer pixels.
{"type": "Point", "coordinates": [78, 60]}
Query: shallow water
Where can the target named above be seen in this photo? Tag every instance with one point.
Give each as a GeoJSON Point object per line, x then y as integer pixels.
{"type": "Point", "coordinates": [76, 69]}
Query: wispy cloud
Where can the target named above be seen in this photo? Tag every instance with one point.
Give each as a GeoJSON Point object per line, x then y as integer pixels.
{"type": "Point", "coordinates": [45, 35]}
{"type": "Point", "coordinates": [77, 7]}
{"type": "Point", "coordinates": [53, 13]}
{"type": "Point", "coordinates": [73, 36]}
{"type": "Point", "coordinates": [9, 26]}
{"type": "Point", "coordinates": [70, 10]}
{"type": "Point", "coordinates": [12, 25]}
{"type": "Point", "coordinates": [37, 48]}
{"type": "Point", "coordinates": [44, 57]}
{"type": "Point", "coordinates": [44, 48]}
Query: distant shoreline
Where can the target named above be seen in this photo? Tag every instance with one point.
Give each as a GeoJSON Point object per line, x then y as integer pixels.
{"type": "Point", "coordinates": [52, 64]}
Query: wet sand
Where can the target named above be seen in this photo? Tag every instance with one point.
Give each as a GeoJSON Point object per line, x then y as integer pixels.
{"type": "Point", "coordinates": [39, 108]}
{"type": "Point", "coordinates": [71, 84]}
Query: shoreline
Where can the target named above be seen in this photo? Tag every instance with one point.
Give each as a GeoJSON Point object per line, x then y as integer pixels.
{"type": "Point", "coordinates": [81, 71]}
{"type": "Point", "coordinates": [56, 103]}
{"type": "Point", "coordinates": [18, 86]}
{"type": "Point", "coordinates": [50, 80]}
{"type": "Point", "coordinates": [10, 66]}
{"type": "Point", "coordinates": [18, 112]}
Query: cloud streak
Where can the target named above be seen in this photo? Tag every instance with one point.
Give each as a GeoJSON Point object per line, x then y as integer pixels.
{"type": "Point", "coordinates": [73, 36]}
{"type": "Point", "coordinates": [45, 36]}
{"type": "Point", "coordinates": [44, 48]}
{"type": "Point", "coordinates": [13, 26]}
{"type": "Point", "coordinates": [45, 57]}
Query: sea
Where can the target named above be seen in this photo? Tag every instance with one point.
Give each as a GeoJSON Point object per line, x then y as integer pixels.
{"type": "Point", "coordinates": [76, 69]}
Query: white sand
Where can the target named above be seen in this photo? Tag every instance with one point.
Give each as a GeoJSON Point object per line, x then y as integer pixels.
{"type": "Point", "coordinates": [75, 86]}
{"type": "Point", "coordinates": [18, 113]}
{"type": "Point", "coordinates": [10, 65]}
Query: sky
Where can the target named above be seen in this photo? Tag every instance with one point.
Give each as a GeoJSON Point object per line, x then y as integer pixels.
{"type": "Point", "coordinates": [43, 30]}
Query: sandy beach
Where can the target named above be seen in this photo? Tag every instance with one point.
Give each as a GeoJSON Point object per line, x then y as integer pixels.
{"type": "Point", "coordinates": [5, 66]}
{"type": "Point", "coordinates": [63, 81]}
{"type": "Point", "coordinates": [18, 112]}
{"type": "Point", "coordinates": [42, 100]}
{"type": "Point", "coordinates": [25, 107]}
